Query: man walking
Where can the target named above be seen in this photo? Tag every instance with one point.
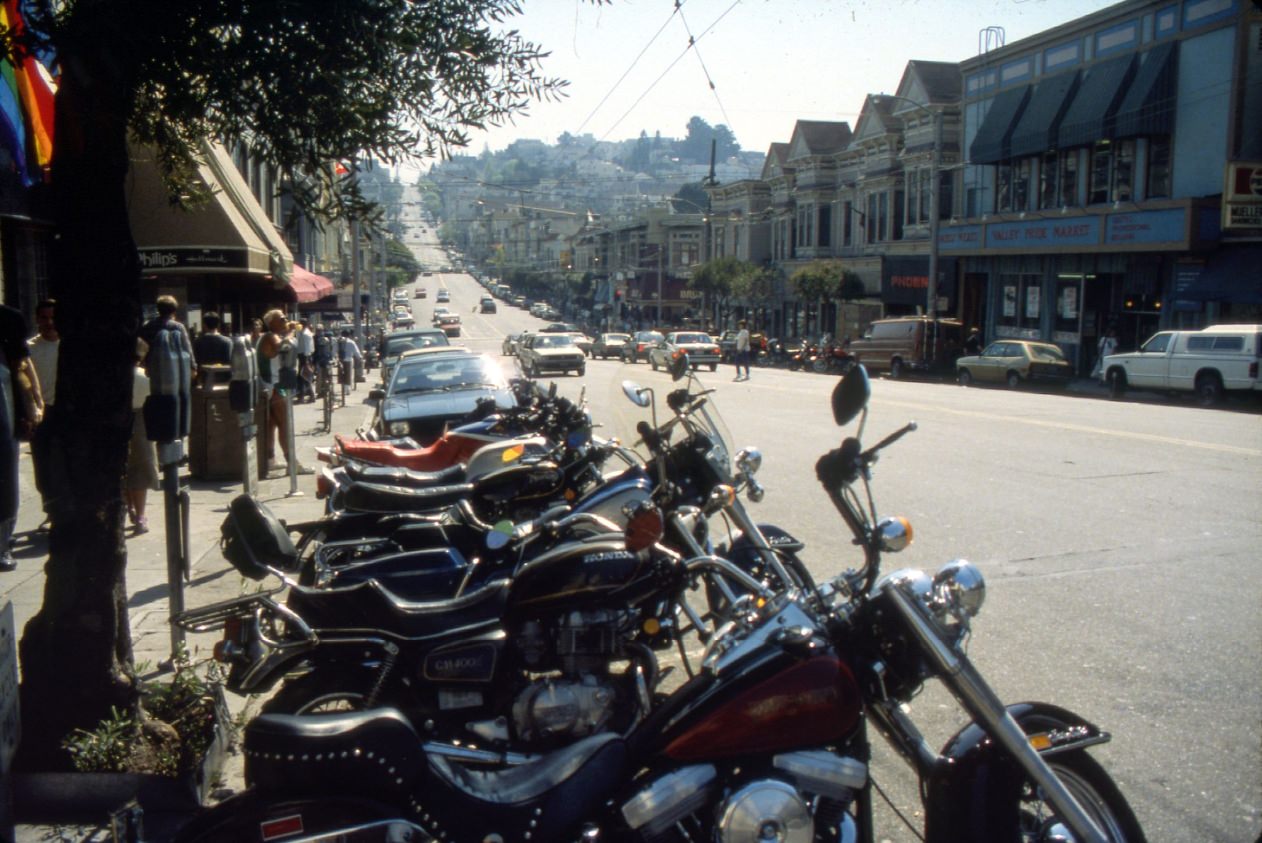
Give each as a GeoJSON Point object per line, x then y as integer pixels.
{"type": "Point", "coordinates": [304, 342]}
{"type": "Point", "coordinates": [742, 351]}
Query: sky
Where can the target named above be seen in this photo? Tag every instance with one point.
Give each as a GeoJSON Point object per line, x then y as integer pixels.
{"type": "Point", "coordinates": [770, 62]}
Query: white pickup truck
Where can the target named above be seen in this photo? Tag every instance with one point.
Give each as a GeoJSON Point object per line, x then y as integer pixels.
{"type": "Point", "coordinates": [1209, 362]}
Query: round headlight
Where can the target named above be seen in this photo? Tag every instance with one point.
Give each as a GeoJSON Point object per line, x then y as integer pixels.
{"type": "Point", "coordinates": [961, 584]}
{"type": "Point", "coordinates": [399, 428]}
{"type": "Point", "coordinates": [748, 461]}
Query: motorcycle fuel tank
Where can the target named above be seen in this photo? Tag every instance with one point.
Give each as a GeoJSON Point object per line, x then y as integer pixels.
{"type": "Point", "coordinates": [578, 574]}
{"type": "Point", "coordinates": [618, 496]}
{"type": "Point", "coordinates": [782, 702]}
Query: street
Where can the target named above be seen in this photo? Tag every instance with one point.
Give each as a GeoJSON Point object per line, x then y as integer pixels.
{"type": "Point", "coordinates": [1118, 540]}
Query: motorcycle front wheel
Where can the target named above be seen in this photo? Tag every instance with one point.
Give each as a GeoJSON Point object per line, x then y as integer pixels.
{"type": "Point", "coordinates": [1092, 788]}
{"type": "Point", "coordinates": [253, 816]}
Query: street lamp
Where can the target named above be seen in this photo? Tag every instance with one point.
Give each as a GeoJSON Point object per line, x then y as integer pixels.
{"type": "Point", "coordinates": [935, 188]}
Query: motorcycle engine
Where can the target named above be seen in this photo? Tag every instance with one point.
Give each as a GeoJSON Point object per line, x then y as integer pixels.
{"type": "Point", "coordinates": [581, 701]}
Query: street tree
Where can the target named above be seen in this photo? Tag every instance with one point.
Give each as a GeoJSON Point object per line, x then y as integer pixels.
{"type": "Point", "coordinates": [822, 281]}
{"type": "Point", "coordinates": [716, 280]}
{"type": "Point", "coordinates": [307, 85]}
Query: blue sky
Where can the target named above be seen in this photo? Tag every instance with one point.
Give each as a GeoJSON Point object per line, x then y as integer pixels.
{"type": "Point", "coordinates": [771, 62]}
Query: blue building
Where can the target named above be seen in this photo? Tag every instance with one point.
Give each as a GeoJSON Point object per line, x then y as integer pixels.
{"type": "Point", "coordinates": [1112, 177]}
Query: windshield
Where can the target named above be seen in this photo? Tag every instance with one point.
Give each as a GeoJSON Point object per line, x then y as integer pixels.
{"type": "Point", "coordinates": [394, 346]}
{"type": "Point", "coordinates": [446, 374]}
{"type": "Point", "coordinates": [691, 338]}
{"type": "Point", "coordinates": [556, 341]}
{"type": "Point", "coordinates": [706, 420]}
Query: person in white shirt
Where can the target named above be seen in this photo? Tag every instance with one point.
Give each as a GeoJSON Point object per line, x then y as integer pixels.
{"type": "Point", "coordinates": [304, 344]}
{"type": "Point", "coordinates": [742, 351]}
{"type": "Point", "coordinates": [44, 347]}
{"type": "Point", "coordinates": [348, 351]}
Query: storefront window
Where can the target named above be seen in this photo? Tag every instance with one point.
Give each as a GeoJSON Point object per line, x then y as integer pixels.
{"type": "Point", "coordinates": [1101, 160]}
{"type": "Point", "coordinates": [1068, 178]}
{"type": "Point", "coordinates": [1020, 305]}
{"type": "Point", "coordinates": [1003, 187]}
{"type": "Point", "coordinates": [1159, 167]}
{"type": "Point", "coordinates": [1068, 304]}
{"type": "Point", "coordinates": [1048, 168]}
{"type": "Point", "coordinates": [1021, 173]}
{"type": "Point", "coordinates": [1124, 171]}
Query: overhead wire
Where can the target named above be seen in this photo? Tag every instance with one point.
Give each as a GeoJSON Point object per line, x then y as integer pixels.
{"type": "Point", "coordinates": [692, 42]}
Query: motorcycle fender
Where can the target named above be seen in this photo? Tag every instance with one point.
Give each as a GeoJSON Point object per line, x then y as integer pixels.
{"type": "Point", "coordinates": [972, 789]}
{"type": "Point", "coordinates": [263, 676]}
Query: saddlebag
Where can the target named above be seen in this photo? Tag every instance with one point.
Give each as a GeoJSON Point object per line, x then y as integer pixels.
{"type": "Point", "coordinates": [254, 540]}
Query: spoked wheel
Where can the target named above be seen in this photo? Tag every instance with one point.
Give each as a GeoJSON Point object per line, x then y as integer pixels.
{"type": "Point", "coordinates": [1092, 789]}
{"type": "Point", "coordinates": [317, 694]}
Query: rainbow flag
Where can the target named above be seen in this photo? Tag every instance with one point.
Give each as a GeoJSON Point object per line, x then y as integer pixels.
{"type": "Point", "coordinates": [26, 104]}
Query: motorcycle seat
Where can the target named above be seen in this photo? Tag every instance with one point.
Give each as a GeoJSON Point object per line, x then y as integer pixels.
{"type": "Point", "coordinates": [361, 496]}
{"type": "Point", "coordinates": [378, 750]}
{"type": "Point", "coordinates": [390, 475]}
{"type": "Point", "coordinates": [545, 799]}
{"type": "Point", "coordinates": [370, 604]}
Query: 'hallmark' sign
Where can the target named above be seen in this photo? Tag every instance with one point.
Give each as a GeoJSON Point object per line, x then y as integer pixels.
{"type": "Point", "coordinates": [186, 259]}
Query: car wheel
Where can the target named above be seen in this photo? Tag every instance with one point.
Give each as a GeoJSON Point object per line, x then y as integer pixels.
{"type": "Point", "coordinates": [714, 367]}
{"type": "Point", "coordinates": [1209, 389]}
{"type": "Point", "coordinates": [652, 363]}
{"type": "Point", "coordinates": [965, 377]}
{"type": "Point", "coordinates": [580, 371]}
{"type": "Point", "coordinates": [1117, 383]}
{"type": "Point", "coordinates": [1013, 380]}
{"type": "Point", "coordinates": [896, 369]}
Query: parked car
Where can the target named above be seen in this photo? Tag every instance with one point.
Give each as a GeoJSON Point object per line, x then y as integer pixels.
{"type": "Point", "coordinates": [910, 344]}
{"type": "Point", "coordinates": [609, 345]}
{"type": "Point", "coordinates": [427, 392]}
{"type": "Point", "coordinates": [702, 350]}
{"type": "Point", "coordinates": [443, 295]}
{"type": "Point", "coordinates": [402, 319]}
{"type": "Point", "coordinates": [637, 347]}
{"type": "Point", "coordinates": [541, 353]}
{"type": "Point", "coordinates": [1015, 362]}
{"type": "Point", "coordinates": [1210, 362]}
{"type": "Point", "coordinates": [519, 301]}
{"type": "Point", "coordinates": [394, 344]}
{"type": "Point", "coordinates": [487, 305]}
{"type": "Point", "coordinates": [509, 346]}
{"type": "Point", "coordinates": [450, 323]}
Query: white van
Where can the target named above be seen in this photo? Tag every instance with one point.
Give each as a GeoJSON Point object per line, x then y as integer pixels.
{"type": "Point", "coordinates": [1210, 362]}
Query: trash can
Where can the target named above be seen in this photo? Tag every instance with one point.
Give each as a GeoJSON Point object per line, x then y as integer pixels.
{"type": "Point", "coordinates": [214, 439]}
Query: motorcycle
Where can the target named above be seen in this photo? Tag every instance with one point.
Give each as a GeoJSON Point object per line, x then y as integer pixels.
{"type": "Point", "coordinates": [804, 357]}
{"type": "Point", "coordinates": [833, 358]}
{"type": "Point", "coordinates": [768, 742]}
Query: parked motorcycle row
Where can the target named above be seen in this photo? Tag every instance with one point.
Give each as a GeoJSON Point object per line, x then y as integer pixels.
{"type": "Point", "coordinates": [474, 643]}
{"type": "Point", "coordinates": [822, 355]}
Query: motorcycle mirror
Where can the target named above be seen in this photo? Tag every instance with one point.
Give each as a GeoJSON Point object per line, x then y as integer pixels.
{"type": "Point", "coordinates": [635, 393]}
{"type": "Point", "coordinates": [851, 395]}
{"type": "Point", "coordinates": [679, 367]}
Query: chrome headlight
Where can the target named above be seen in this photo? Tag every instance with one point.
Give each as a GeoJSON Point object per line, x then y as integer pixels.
{"type": "Point", "coordinates": [960, 585]}
{"type": "Point", "coordinates": [399, 428]}
{"type": "Point", "coordinates": [748, 461]}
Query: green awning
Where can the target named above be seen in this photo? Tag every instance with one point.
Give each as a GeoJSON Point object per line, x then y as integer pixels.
{"type": "Point", "coordinates": [1036, 131]}
{"type": "Point", "coordinates": [1090, 115]}
{"type": "Point", "coordinates": [990, 144]}
{"type": "Point", "coordinates": [1148, 107]}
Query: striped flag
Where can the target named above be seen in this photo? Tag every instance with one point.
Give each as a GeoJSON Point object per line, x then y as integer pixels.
{"type": "Point", "coordinates": [27, 93]}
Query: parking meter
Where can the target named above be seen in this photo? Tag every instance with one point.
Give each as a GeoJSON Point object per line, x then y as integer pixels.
{"type": "Point", "coordinates": [287, 367]}
{"type": "Point", "coordinates": [242, 388]}
{"type": "Point", "coordinates": [170, 366]}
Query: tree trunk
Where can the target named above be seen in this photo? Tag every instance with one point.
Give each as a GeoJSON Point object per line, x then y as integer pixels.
{"type": "Point", "coordinates": [76, 653]}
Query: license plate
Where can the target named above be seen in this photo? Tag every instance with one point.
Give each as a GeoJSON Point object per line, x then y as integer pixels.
{"type": "Point", "coordinates": [448, 699]}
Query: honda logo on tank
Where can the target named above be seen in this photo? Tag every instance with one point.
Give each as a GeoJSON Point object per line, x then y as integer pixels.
{"type": "Point", "coordinates": [1242, 199]}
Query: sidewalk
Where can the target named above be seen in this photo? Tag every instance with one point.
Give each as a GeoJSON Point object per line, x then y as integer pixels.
{"type": "Point", "coordinates": [212, 579]}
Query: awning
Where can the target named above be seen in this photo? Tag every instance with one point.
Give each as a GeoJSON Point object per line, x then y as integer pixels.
{"type": "Point", "coordinates": [1035, 132]}
{"type": "Point", "coordinates": [1148, 108]}
{"type": "Point", "coordinates": [990, 145]}
{"type": "Point", "coordinates": [307, 286]}
{"type": "Point", "coordinates": [1090, 115]}
{"type": "Point", "coordinates": [1233, 274]}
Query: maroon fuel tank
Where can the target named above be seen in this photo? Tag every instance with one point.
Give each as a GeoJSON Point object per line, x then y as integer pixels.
{"type": "Point", "coordinates": [782, 703]}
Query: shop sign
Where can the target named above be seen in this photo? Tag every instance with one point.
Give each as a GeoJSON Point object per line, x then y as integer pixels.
{"type": "Point", "coordinates": [1146, 227]}
{"type": "Point", "coordinates": [1042, 234]}
{"type": "Point", "coordinates": [960, 237]}
{"type": "Point", "coordinates": [1242, 196]}
{"type": "Point", "coordinates": [192, 258]}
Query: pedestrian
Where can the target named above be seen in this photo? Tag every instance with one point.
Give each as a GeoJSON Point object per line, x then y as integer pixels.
{"type": "Point", "coordinates": [348, 351]}
{"type": "Point", "coordinates": [212, 347]}
{"type": "Point", "coordinates": [19, 415]}
{"type": "Point", "coordinates": [304, 341]}
{"type": "Point", "coordinates": [742, 350]}
{"type": "Point", "coordinates": [273, 345]}
{"type": "Point", "coordinates": [142, 465]}
{"type": "Point", "coordinates": [322, 358]}
{"type": "Point", "coordinates": [973, 344]}
{"type": "Point", "coordinates": [44, 348]}
{"type": "Point", "coordinates": [168, 307]}
{"type": "Point", "coordinates": [1106, 346]}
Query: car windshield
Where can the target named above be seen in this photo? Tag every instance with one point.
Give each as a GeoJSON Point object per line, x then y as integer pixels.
{"type": "Point", "coordinates": [557, 341]}
{"type": "Point", "coordinates": [615, 338]}
{"type": "Point", "coordinates": [395, 346]}
{"type": "Point", "coordinates": [649, 336]}
{"type": "Point", "coordinates": [1046, 352]}
{"type": "Point", "coordinates": [446, 374]}
{"type": "Point", "coordinates": [692, 338]}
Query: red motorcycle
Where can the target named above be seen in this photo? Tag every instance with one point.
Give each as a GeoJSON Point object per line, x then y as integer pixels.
{"type": "Point", "coordinates": [769, 741]}
{"type": "Point", "coordinates": [833, 358]}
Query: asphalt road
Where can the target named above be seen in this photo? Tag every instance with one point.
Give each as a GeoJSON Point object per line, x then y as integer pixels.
{"type": "Point", "coordinates": [1119, 542]}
